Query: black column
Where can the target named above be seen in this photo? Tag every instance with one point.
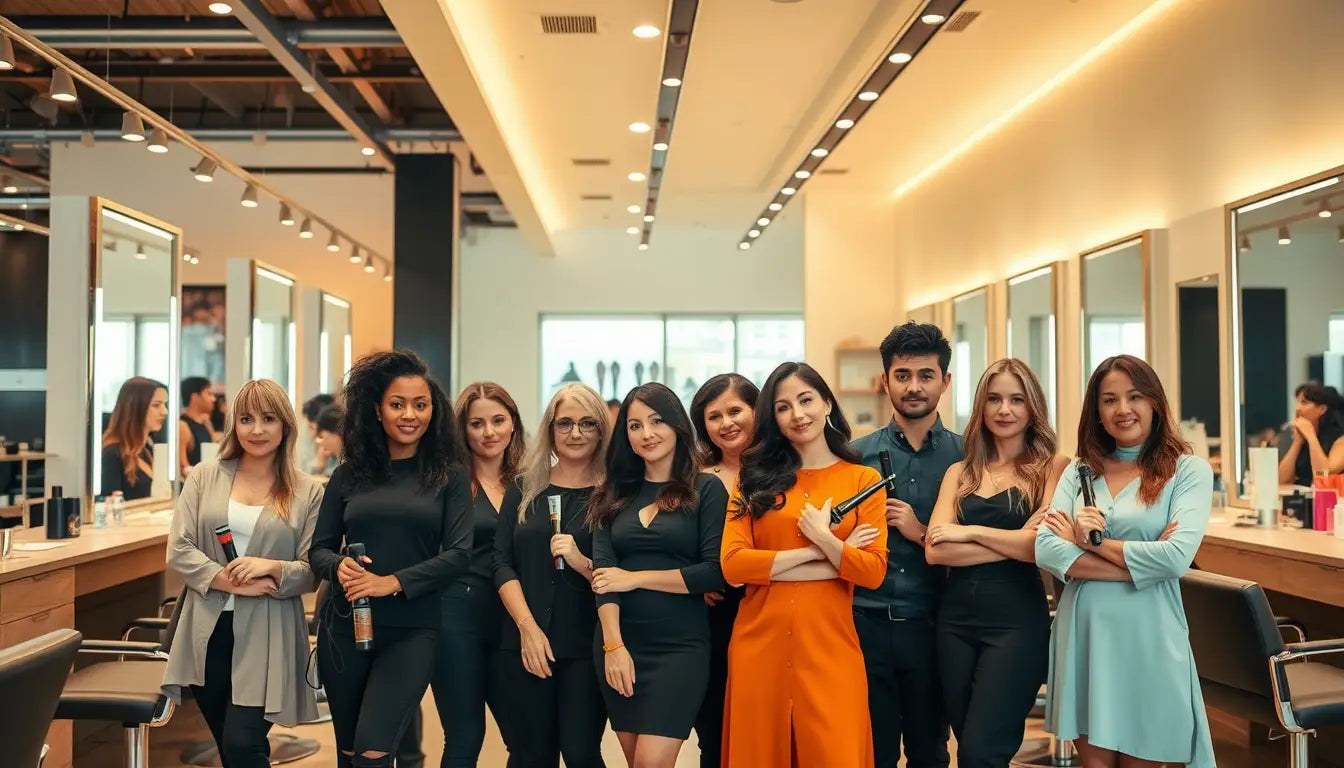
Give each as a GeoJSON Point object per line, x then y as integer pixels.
{"type": "Point", "coordinates": [424, 301]}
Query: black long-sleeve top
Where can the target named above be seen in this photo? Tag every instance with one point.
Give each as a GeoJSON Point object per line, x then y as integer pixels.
{"type": "Point", "coordinates": [114, 474]}
{"type": "Point", "coordinates": [484, 521]}
{"type": "Point", "coordinates": [561, 601]}
{"type": "Point", "coordinates": [423, 539]}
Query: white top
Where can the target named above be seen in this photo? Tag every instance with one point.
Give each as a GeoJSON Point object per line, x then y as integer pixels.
{"type": "Point", "coordinates": [242, 520]}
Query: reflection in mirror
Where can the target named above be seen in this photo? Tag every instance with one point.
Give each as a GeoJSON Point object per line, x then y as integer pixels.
{"type": "Point", "coordinates": [1288, 330]}
{"type": "Point", "coordinates": [134, 344]}
{"type": "Point", "coordinates": [924, 314]}
{"type": "Point", "coordinates": [335, 352]}
{"type": "Point", "coordinates": [273, 328]}
{"type": "Point", "coordinates": [970, 351]}
{"type": "Point", "coordinates": [1201, 368]}
{"type": "Point", "coordinates": [1115, 301]}
{"type": "Point", "coordinates": [1031, 327]}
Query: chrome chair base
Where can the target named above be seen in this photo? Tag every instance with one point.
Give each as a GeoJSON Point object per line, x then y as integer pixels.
{"type": "Point", "coordinates": [1046, 753]}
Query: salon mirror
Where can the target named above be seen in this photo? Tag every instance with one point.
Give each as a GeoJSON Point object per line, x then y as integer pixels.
{"type": "Point", "coordinates": [272, 332]}
{"type": "Point", "coordinates": [334, 340]}
{"type": "Point", "coordinates": [924, 315]}
{"type": "Point", "coordinates": [1115, 301]}
{"type": "Point", "coordinates": [134, 334]}
{"type": "Point", "coordinates": [1201, 367]}
{"type": "Point", "coordinates": [1031, 328]}
{"type": "Point", "coordinates": [970, 351]}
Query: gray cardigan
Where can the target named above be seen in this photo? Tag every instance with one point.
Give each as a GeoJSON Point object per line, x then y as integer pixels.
{"type": "Point", "coordinates": [270, 651]}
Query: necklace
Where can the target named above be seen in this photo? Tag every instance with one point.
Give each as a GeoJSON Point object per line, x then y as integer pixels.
{"type": "Point", "coordinates": [490, 485]}
{"type": "Point", "coordinates": [996, 478]}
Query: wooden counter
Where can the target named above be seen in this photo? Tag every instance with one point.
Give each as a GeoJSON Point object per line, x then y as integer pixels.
{"type": "Point", "coordinates": [1293, 561]}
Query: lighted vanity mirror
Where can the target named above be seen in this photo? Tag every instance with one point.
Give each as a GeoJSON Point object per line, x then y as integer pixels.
{"type": "Point", "coordinates": [1031, 328]}
{"type": "Point", "coordinates": [272, 353]}
{"type": "Point", "coordinates": [1287, 328]}
{"type": "Point", "coordinates": [1115, 301]}
{"type": "Point", "coordinates": [135, 406]}
{"type": "Point", "coordinates": [970, 351]}
{"type": "Point", "coordinates": [335, 346]}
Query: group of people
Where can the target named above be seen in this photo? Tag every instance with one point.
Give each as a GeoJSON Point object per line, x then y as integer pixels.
{"type": "Point", "coordinates": [718, 570]}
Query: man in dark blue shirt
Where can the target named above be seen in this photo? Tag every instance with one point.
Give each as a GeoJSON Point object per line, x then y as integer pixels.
{"type": "Point", "coordinates": [895, 621]}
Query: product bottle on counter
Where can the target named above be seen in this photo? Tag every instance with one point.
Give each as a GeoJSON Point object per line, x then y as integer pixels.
{"type": "Point", "coordinates": [117, 509]}
{"type": "Point", "coordinates": [100, 512]}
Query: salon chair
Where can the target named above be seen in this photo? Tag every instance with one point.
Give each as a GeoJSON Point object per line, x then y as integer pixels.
{"type": "Point", "coordinates": [1048, 752]}
{"type": "Point", "coordinates": [32, 674]}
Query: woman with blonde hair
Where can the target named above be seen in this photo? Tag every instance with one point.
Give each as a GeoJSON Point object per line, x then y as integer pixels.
{"type": "Point", "coordinates": [993, 624]}
{"type": "Point", "coordinates": [242, 640]}
{"type": "Point", "coordinates": [551, 705]}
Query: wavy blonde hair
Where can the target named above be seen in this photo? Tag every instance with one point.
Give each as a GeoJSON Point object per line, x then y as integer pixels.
{"type": "Point", "coordinates": [1033, 465]}
{"type": "Point", "coordinates": [536, 468]}
{"type": "Point", "coordinates": [257, 398]}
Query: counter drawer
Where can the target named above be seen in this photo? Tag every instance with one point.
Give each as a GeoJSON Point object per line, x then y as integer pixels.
{"type": "Point", "coordinates": [24, 597]}
{"type": "Point", "coordinates": [37, 625]}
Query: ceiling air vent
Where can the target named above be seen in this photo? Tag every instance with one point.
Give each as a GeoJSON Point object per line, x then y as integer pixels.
{"type": "Point", "coordinates": [594, 197]}
{"type": "Point", "coordinates": [591, 162]}
{"type": "Point", "coordinates": [961, 21]}
{"type": "Point", "coordinates": [568, 25]}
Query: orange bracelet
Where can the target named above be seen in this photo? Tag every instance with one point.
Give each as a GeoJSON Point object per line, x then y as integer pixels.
{"type": "Point", "coordinates": [610, 648]}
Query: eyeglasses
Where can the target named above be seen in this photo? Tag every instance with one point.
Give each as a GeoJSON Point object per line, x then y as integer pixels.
{"type": "Point", "coordinates": [565, 426]}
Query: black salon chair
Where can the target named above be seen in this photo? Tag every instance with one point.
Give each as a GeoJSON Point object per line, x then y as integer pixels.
{"type": "Point", "coordinates": [1049, 752]}
{"type": "Point", "coordinates": [1245, 668]}
{"type": "Point", "coordinates": [32, 675]}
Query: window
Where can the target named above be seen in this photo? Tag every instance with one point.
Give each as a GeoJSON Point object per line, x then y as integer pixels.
{"type": "Point", "coordinates": [1110, 336]}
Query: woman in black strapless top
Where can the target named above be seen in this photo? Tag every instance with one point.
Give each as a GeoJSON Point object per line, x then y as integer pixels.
{"type": "Point", "coordinates": [993, 623]}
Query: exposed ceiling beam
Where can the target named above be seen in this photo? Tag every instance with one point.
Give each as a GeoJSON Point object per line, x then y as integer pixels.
{"type": "Point", "coordinates": [225, 71]}
{"type": "Point", "coordinates": [260, 22]}
{"type": "Point", "coordinates": [208, 33]}
{"type": "Point", "coordinates": [368, 91]}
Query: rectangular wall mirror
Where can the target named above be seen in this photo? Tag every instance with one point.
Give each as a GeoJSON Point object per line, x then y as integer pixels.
{"type": "Point", "coordinates": [1115, 299]}
{"type": "Point", "coordinates": [1287, 326]}
{"type": "Point", "coordinates": [335, 344]}
{"type": "Point", "coordinates": [1031, 328]}
{"type": "Point", "coordinates": [970, 351]}
{"type": "Point", "coordinates": [926, 314]}
{"type": "Point", "coordinates": [135, 327]}
{"type": "Point", "coordinates": [272, 333]}
{"type": "Point", "coordinates": [1201, 367]}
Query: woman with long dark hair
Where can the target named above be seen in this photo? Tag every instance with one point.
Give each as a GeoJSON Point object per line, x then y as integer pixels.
{"type": "Point", "coordinates": [128, 455]}
{"type": "Point", "coordinates": [723, 413]}
{"type": "Point", "coordinates": [551, 705]}
{"type": "Point", "coordinates": [493, 441]}
{"type": "Point", "coordinates": [797, 693]}
{"type": "Point", "coordinates": [242, 640]}
{"type": "Point", "coordinates": [1317, 426]}
{"type": "Point", "coordinates": [1123, 684]}
{"type": "Point", "coordinates": [404, 495]}
{"type": "Point", "coordinates": [993, 623]}
{"type": "Point", "coordinates": [657, 525]}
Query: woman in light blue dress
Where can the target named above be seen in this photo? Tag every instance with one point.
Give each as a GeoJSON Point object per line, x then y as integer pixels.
{"type": "Point", "coordinates": [1122, 681]}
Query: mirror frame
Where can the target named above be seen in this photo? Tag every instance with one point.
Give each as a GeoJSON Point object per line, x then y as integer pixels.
{"type": "Point", "coordinates": [988, 291]}
{"type": "Point", "coordinates": [291, 336]}
{"type": "Point", "coordinates": [1145, 241]}
{"type": "Point", "coordinates": [1056, 312]}
{"type": "Point", "coordinates": [931, 308]}
{"type": "Point", "coordinates": [322, 297]}
{"type": "Point", "coordinates": [97, 205]}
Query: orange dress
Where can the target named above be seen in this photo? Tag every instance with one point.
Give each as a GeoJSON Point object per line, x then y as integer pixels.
{"type": "Point", "coordinates": [797, 691]}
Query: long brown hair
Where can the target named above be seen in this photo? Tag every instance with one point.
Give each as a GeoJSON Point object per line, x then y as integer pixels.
{"type": "Point", "coordinates": [258, 398]}
{"type": "Point", "coordinates": [1033, 465]}
{"type": "Point", "coordinates": [1164, 446]}
{"type": "Point", "coordinates": [513, 454]}
{"type": "Point", "coordinates": [126, 427]}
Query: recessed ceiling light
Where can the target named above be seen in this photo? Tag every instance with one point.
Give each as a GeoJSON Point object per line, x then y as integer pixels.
{"type": "Point", "coordinates": [787, 191]}
{"type": "Point", "coordinates": [743, 246]}
{"type": "Point", "coordinates": [844, 123]}
{"type": "Point", "coordinates": [820, 152]}
{"type": "Point", "coordinates": [868, 96]}
{"type": "Point", "coordinates": [643, 246]}
{"type": "Point", "coordinates": [660, 146]}
{"type": "Point", "coordinates": [632, 230]}
{"type": "Point", "coordinates": [223, 9]}
{"type": "Point", "coordinates": [764, 222]}
{"type": "Point", "coordinates": [900, 57]}
{"type": "Point", "coordinates": [635, 176]}
{"type": "Point", "coordinates": [672, 82]}
{"type": "Point", "coordinates": [776, 206]}
{"type": "Point", "coordinates": [802, 174]}
{"type": "Point", "coordinates": [648, 218]}
{"type": "Point", "coordinates": [754, 233]}
{"type": "Point", "coordinates": [640, 128]}
{"type": "Point", "coordinates": [368, 151]}
{"type": "Point", "coordinates": [933, 18]}
{"type": "Point", "coordinates": [646, 31]}
{"type": "Point", "coordinates": [632, 208]}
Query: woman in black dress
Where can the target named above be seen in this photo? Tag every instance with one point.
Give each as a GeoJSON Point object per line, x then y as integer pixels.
{"type": "Point", "coordinates": [657, 526]}
{"type": "Point", "coordinates": [127, 461]}
{"type": "Point", "coordinates": [993, 624]}
{"type": "Point", "coordinates": [724, 416]}
{"type": "Point", "coordinates": [550, 704]}
{"type": "Point", "coordinates": [1315, 448]}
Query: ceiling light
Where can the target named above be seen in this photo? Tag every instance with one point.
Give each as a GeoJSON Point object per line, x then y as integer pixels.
{"type": "Point", "coordinates": [742, 246]}
{"type": "Point", "coordinates": [660, 146]}
{"type": "Point", "coordinates": [801, 174]}
{"type": "Point", "coordinates": [1244, 244]}
{"type": "Point", "coordinates": [633, 208]}
{"type": "Point", "coordinates": [368, 151]}
{"type": "Point", "coordinates": [636, 176]}
{"type": "Point", "coordinates": [844, 123]}
{"type": "Point", "coordinates": [820, 152]}
{"type": "Point", "coordinates": [1284, 237]}
{"type": "Point", "coordinates": [186, 256]}
{"type": "Point", "coordinates": [868, 96]}
{"type": "Point", "coordinates": [223, 9]}
{"type": "Point", "coordinates": [672, 82]}
{"type": "Point", "coordinates": [646, 31]}
{"type": "Point", "coordinates": [640, 128]}
{"type": "Point", "coordinates": [306, 229]}
{"type": "Point", "coordinates": [754, 233]}
{"type": "Point", "coordinates": [140, 253]}
{"type": "Point", "coordinates": [1341, 234]}
{"type": "Point", "coordinates": [900, 57]}
{"type": "Point", "coordinates": [643, 246]}
{"type": "Point", "coordinates": [1324, 212]}
{"type": "Point", "coordinates": [249, 199]}
{"type": "Point", "coordinates": [286, 218]}
{"type": "Point", "coordinates": [195, 259]}
{"type": "Point", "coordinates": [354, 254]}
{"type": "Point", "coordinates": [334, 244]}
{"type": "Point", "coordinates": [205, 170]}
{"type": "Point", "coordinates": [648, 218]}
{"type": "Point", "coordinates": [368, 264]}
{"type": "Point", "coordinates": [387, 273]}
{"type": "Point", "coordinates": [132, 129]}
{"type": "Point", "coordinates": [7, 185]}
{"type": "Point", "coordinates": [6, 53]}
{"type": "Point", "coordinates": [158, 142]}
{"type": "Point", "coordinates": [62, 87]}
{"type": "Point", "coordinates": [775, 206]}
{"type": "Point", "coordinates": [632, 230]}
{"type": "Point", "coordinates": [933, 18]}
{"type": "Point", "coordinates": [764, 222]}
{"type": "Point", "coordinates": [17, 227]}
{"type": "Point", "coordinates": [787, 191]}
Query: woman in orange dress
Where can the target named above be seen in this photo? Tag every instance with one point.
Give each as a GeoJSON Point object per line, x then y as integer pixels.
{"type": "Point", "coordinates": [797, 692]}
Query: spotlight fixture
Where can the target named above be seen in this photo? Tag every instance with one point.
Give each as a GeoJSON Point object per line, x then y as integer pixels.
{"type": "Point", "coordinates": [6, 53]}
{"type": "Point", "coordinates": [286, 217]}
{"type": "Point", "coordinates": [132, 129]}
{"type": "Point", "coordinates": [820, 152]}
{"type": "Point", "coordinates": [646, 31]}
{"type": "Point", "coordinates": [660, 146]}
{"type": "Point", "coordinates": [158, 142]}
{"type": "Point", "coordinates": [787, 191]}
{"type": "Point", "coordinates": [140, 252]}
{"type": "Point", "coordinates": [633, 208]}
{"type": "Point", "coordinates": [900, 57]}
{"type": "Point", "coordinates": [368, 151]}
{"type": "Point", "coordinates": [933, 18]}
{"type": "Point", "coordinates": [62, 87]}
{"type": "Point", "coordinates": [249, 199]}
{"type": "Point", "coordinates": [643, 246]}
{"type": "Point", "coordinates": [195, 260]}
{"type": "Point", "coordinates": [1325, 211]}
{"type": "Point", "coordinates": [776, 206]}
{"type": "Point", "coordinates": [368, 264]}
{"type": "Point", "coordinates": [632, 230]}
{"type": "Point", "coordinates": [844, 123]}
{"type": "Point", "coordinates": [387, 273]}
{"type": "Point", "coordinates": [743, 246]}
{"type": "Point", "coordinates": [306, 229]}
{"type": "Point", "coordinates": [8, 186]}
{"type": "Point", "coordinates": [636, 176]}
{"type": "Point", "coordinates": [205, 170]}
{"type": "Point", "coordinates": [220, 8]}
{"type": "Point", "coordinates": [763, 222]}
{"type": "Point", "coordinates": [672, 82]}
{"type": "Point", "coordinates": [802, 174]}
{"type": "Point", "coordinates": [334, 244]}
{"type": "Point", "coordinates": [648, 218]}
{"type": "Point", "coordinates": [868, 96]}
{"type": "Point", "coordinates": [640, 127]}
{"type": "Point", "coordinates": [1284, 237]}
{"type": "Point", "coordinates": [1341, 234]}
{"type": "Point", "coordinates": [754, 233]}
{"type": "Point", "coordinates": [354, 255]}
{"type": "Point", "coordinates": [186, 256]}
{"type": "Point", "coordinates": [1244, 244]}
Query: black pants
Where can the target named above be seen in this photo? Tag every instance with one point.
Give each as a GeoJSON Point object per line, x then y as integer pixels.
{"type": "Point", "coordinates": [542, 720]}
{"type": "Point", "coordinates": [465, 680]}
{"type": "Point", "coordinates": [709, 721]}
{"type": "Point", "coordinates": [373, 694]}
{"type": "Point", "coordinates": [904, 697]}
{"type": "Point", "coordinates": [993, 650]}
{"type": "Point", "coordinates": [240, 732]}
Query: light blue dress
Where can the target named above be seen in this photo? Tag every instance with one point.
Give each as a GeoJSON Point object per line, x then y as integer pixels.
{"type": "Point", "coordinates": [1121, 669]}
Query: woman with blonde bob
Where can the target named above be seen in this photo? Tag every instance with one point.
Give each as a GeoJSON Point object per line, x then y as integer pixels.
{"type": "Point", "coordinates": [242, 641]}
{"type": "Point", "coordinates": [551, 703]}
{"type": "Point", "coordinates": [993, 628]}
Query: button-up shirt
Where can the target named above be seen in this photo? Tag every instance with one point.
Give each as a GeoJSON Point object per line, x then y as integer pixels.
{"type": "Point", "coordinates": [911, 587]}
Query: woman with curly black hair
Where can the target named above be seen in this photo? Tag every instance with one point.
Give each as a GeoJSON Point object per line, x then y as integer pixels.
{"type": "Point", "coordinates": [403, 494]}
